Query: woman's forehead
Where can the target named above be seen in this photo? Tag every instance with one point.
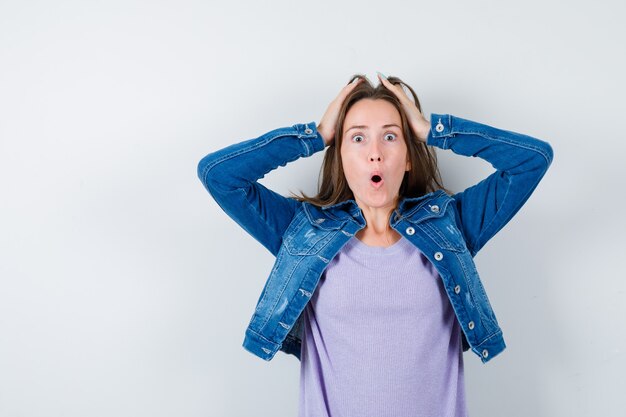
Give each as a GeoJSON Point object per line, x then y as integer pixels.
{"type": "Point", "coordinates": [372, 113]}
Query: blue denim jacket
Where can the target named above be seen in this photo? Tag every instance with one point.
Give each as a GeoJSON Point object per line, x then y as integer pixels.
{"type": "Point", "coordinates": [448, 229]}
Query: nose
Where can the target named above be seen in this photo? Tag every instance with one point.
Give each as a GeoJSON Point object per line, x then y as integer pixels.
{"type": "Point", "coordinates": [374, 153]}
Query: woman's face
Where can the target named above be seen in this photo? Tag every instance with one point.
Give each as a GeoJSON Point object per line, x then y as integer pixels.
{"type": "Point", "coordinates": [374, 153]}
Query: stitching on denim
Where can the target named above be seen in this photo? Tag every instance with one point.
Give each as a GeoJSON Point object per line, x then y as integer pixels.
{"type": "Point", "coordinates": [498, 333]}
{"type": "Point", "coordinates": [206, 170]}
{"type": "Point", "coordinates": [498, 212]}
{"type": "Point", "coordinates": [467, 278]}
{"type": "Point", "coordinates": [309, 150]}
{"type": "Point", "coordinates": [309, 215]}
{"type": "Point", "coordinates": [293, 228]}
{"type": "Point", "coordinates": [504, 139]}
{"type": "Point", "coordinates": [483, 317]}
{"type": "Point", "coordinates": [524, 199]}
{"type": "Point", "coordinates": [212, 165]}
{"type": "Point", "coordinates": [436, 194]}
{"type": "Point", "coordinates": [295, 299]}
{"type": "Point", "coordinates": [257, 310]}
{"type": "Point", "coordinates": [257, 211]}
{"type": "Point", "coordinates": [321, 236]}
{"type": "Point", "coordinates": [260, 336]}
{"type": "Point", "coordinates": [428, 233]}
{"type": "Point", "coordinates": [450, 245]}
{"type": "Point", "coordinates": [244, 150]}
{"type": "Point", "coordinates": [457, 305]}
{"type": "Point", "coordinates": [289, 273]}
{"type": "Point", "coordinates": [469, 272]}
{"type": "Point", "coordinates": [272, 308]}
{"type": "Point", "coordinates": [428, 230]}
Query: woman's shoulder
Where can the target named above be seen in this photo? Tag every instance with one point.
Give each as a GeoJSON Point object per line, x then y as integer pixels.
{"type": "Point", "coordinates": [329, 217]}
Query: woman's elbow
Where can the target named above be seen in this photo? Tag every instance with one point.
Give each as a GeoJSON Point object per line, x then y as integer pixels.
{"type": "Point", "coordinates": [548, 152]}
{"type": "Point", "coordinates": [544, 155]}
{"type": "Point", "coordinates": [204, 170]}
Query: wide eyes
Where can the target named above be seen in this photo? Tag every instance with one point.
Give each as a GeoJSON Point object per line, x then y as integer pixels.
{"type": "Point", "coordinates": [389, 137]}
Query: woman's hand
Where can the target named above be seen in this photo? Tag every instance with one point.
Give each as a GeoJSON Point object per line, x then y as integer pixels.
{"type": "Point", "coordinates": [326, 126]}
{"type": "Point", "coordinates": [417, 121]}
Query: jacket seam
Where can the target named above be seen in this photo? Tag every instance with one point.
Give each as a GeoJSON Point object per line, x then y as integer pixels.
{"type": "Point", "coordinates": [261, 144]}
{"type": "Point", "coordinates": [498, 333]}
{"type": "Point", "coordinates": [507, 140]}
{"type": "Point", "coordinates": [260, 336]}
{"type": "Point", "coordinates": [524, 199]}
{"type": "Point", "coordinates": [271, 311]}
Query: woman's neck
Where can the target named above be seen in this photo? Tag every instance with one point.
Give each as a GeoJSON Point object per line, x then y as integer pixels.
{"type": "Point", "coordinates": [377, 231]}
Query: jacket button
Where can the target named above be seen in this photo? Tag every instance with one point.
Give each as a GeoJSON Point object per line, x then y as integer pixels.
{"type": "Point", "coordinates": [308, 131]}
{"type": "Point", "coordinates": [439, 127]}
{"type": "Point", "coordinates": [485, 353]}
{"type": "Point", "coordinates": [470, 325]}
{"type": "Point", "coordinates": [434, 209]}
{"type": "Point", "coordinates": [438, 256]}
{"type": "Point", "coordinates": [457, 289]}
{"type": "Point", "coordinates": [410, 230]}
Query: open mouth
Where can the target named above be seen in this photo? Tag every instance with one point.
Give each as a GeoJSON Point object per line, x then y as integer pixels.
{"type": "Point", "coordinates": [376, 181]}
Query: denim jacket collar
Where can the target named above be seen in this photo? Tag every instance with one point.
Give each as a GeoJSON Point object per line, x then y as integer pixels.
{"type": "Point", "coordinates": [334, 216]}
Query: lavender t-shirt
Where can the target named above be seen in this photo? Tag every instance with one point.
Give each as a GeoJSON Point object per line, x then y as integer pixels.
{"type": "Point", "coordinates": [380, 338]}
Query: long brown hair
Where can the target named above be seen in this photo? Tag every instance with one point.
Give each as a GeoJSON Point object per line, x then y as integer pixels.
{"type": "Point", "coordinates": [423, 176]}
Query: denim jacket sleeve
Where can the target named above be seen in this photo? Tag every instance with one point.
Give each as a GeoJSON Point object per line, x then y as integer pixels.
{"type": "Point", "coordinates": [520, 162]}
{"type": "Point", "coordinates": [231, 176]}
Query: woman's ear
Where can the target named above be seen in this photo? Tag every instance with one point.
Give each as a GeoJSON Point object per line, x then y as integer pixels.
{"type": "Point", "coordinates": [408, 165]}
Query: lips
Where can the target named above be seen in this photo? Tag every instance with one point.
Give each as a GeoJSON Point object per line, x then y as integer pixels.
{"type": "Point", "coordinates": [376, 179]}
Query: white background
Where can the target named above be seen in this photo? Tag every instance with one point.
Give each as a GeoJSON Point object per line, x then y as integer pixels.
{"type": "Point", "coordinates": [125, 290]}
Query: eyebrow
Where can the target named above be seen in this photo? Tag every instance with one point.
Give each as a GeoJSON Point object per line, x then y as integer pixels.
{"type": "Point", "coordinates": [367, 127]}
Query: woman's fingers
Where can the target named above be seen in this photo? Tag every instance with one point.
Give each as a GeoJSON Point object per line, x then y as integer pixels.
{"type": "Point", "coordinates": [418, 123]}
{"type": "Point", "coordinates": [326, 126]}
{"type": "Point", "coordinates": [396, 89]}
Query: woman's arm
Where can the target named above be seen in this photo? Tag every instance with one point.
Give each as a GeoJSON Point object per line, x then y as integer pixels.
{"type": "Point", "coordinates": [231, 174]}
{"type": "Point", "coordinates": [520, 162]}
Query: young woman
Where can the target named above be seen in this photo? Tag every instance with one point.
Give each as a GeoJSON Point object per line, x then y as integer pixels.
{"type": "Point", "coordinates": [374, 287]}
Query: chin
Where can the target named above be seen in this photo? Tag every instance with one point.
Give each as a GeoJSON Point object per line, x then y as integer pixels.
{"type": "Point", "coordinates": [376, 202]}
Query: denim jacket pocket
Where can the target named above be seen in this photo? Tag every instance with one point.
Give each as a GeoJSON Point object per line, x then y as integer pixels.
{"type": "Point", "coordinates": [438, 223]}
{"type": "Point", "coordinates": [304, 238]}
{"type": "Point", "coordinates": [444, 234]}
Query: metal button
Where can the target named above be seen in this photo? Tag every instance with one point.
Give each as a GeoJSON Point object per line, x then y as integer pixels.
{"type": "Point", "coordinates": [434, 209]}
{"type": "Point", "coordinates": [308, 131]}
{"type": "Point", "coordinates": [470, 325]}
{"type": "Point", "coordinates": [438, 256]}
{"type": "Point", "coordinates": [457, 289]}
{"type": "Point", "coordinates": [485, 353]}
{"type": "Point", "coordinates": [439, 127]}
{"type": "Point", "coordinates": [410, 230]}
